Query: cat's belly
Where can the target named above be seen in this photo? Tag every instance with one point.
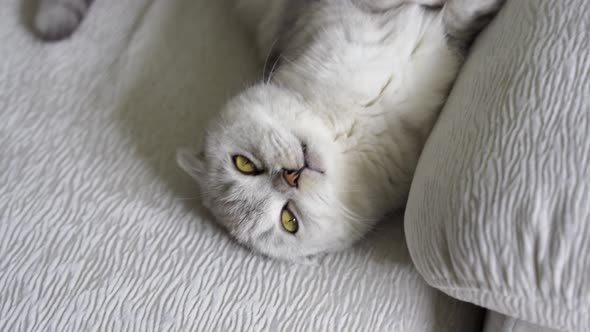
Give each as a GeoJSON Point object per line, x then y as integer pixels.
{"type": "Point", "coordinates": [400, 95]}
{"type": "Point", "coordinates": [379, 81]}
{"type": "Point", "coordinates": [373, 60]}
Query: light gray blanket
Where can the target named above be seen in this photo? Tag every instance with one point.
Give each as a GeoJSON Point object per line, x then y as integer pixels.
{"type": "Point", "coordinates": [99, 229]}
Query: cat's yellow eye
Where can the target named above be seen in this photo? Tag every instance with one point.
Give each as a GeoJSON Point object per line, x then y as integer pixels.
{"type": "Point", "coordinates": [289, 221]}
{"type": "Point", "coordinates": [244, 165]}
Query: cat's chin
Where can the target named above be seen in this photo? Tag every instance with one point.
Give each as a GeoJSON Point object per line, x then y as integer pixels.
{"type": "Point", "coordinates": [310, 179]}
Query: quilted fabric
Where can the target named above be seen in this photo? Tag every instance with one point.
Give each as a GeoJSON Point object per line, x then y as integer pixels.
{"type": "Point", "coordinates": [100, 230]}
{"type": "Point", "coordinates": [499, 210]}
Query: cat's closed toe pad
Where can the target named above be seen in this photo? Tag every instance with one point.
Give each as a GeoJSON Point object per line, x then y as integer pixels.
{"type": "Point", "coordinates": [57, 22]}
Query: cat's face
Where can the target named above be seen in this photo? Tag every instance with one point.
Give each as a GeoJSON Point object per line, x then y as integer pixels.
{"type": "Point", "coordinates": [271, 174]}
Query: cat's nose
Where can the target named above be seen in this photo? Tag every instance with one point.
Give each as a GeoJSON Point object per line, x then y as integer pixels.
{"type": "Point", "coordinates": [291, 177]}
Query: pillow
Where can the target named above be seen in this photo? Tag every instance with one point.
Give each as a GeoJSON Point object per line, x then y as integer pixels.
{"type": "Point", "coordinates": [498, 213]}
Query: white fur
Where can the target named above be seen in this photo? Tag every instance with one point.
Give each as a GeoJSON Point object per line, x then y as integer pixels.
{"type": "Point", "coordinates": [362, 89]}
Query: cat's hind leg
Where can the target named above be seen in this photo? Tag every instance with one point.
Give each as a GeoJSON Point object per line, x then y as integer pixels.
{"type": "Point", "coordinates": [58, 19]}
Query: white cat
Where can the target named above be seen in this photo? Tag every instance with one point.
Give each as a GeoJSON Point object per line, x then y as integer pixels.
{"type": "Point", "coordinates": [308, 160]}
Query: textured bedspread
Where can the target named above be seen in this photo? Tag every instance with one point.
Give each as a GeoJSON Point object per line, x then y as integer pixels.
{"type": "Point", "coordinates": [99, 230]}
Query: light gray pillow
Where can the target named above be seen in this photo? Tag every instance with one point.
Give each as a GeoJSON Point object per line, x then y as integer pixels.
{"type": "Point", "coordinates": [499, 210]}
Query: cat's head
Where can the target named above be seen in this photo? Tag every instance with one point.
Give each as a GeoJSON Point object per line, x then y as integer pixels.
{"type": "Point", "coordinates": [271, 173]}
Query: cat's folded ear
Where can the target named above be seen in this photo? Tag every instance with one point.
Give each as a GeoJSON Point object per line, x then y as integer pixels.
{"type": "Point", "coordinates": [191, 162]}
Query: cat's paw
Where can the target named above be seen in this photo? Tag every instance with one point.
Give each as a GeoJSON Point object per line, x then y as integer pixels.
{"type": "Point", "coordinates": [57, 21]}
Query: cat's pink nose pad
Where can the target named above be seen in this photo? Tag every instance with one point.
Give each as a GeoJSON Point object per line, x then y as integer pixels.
{"type": "Point", "coordinates": [291, 177]}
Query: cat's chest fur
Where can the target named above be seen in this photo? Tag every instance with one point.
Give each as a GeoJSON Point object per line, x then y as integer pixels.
{"type": "Point", "coordinates": [378, 80]}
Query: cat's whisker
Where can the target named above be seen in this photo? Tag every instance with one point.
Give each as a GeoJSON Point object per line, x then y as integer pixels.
{"type": "Point", "coordinates": [349, 192]}
{"type": "Point", "coordinates": [272, 70]}
{"type": "Point", "coordinates": [352, 215]}
{"type": "Point", "coordinates": [270, 50]}
{"type": "Point", "coordinates": [349, 214]}
{"type": "Point", "coordinates": [296, 67]}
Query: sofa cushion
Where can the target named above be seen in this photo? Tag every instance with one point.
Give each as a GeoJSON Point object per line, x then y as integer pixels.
{"type": "Point", "coordinates": [499, 210]}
